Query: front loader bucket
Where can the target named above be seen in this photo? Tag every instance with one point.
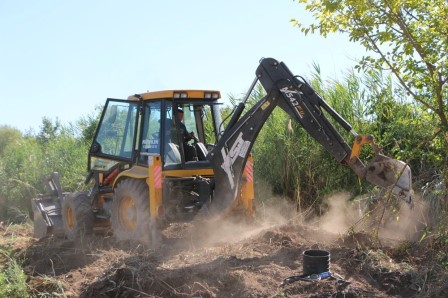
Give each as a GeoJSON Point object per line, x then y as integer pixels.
{"type": "Point", "coordinates": [47, 209]}
{"type": "Point", "coordinates": [391, 174]}
{"type": "Point", "coordinates": [47, 217]}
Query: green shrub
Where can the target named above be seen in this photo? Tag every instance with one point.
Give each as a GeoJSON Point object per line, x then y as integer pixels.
{"type": "Point", "coordinates": [12, 279]}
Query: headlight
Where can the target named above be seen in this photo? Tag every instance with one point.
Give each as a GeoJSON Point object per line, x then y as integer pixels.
{"type": "Point", "coordinates": [180, 95]}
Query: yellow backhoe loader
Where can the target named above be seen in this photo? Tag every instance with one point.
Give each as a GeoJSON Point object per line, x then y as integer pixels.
{"type": "Point", "coordinates": [165, 156]}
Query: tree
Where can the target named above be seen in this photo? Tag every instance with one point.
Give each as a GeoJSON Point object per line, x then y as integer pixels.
{"type": "Point", "coordinates": [48, 130]}
{"type": "Point", "coordinates": [87, 124]}
{"type": "Point", "coordinates": [407, 37]}
{"type": "Point", "coordinates": [7, 136]}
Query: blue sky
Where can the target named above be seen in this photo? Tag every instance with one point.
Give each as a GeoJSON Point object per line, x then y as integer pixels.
{"type": "Point", "coordinates": [61, 59]}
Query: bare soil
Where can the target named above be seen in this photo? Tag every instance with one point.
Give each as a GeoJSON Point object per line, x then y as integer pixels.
{"type": "Point", "coordinates": [226, 258]}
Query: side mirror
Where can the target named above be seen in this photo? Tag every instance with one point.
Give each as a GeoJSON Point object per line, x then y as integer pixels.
{"type": "Point", "coordinates": [96, 148]}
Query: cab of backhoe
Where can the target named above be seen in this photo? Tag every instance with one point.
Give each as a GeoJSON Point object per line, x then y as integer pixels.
{"type": "Point", "coordinates": [131, 131]}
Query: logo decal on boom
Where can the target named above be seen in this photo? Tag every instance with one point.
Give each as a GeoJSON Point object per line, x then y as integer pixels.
{"type": "Point", "coordinates": [239, 148]}
{"type": "Point", "coordinates": [290, 95]}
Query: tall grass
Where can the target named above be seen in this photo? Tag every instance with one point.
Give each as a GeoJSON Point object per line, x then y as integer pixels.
{"type": "Point", "coordinates": [12, 278]}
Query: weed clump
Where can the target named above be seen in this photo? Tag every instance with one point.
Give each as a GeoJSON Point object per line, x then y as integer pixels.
{"type": "Point", "coordinates": [12, 278]}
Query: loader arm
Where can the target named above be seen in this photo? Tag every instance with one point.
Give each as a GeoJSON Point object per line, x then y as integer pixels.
{"type": "Point", "coordinates": [303, 104]}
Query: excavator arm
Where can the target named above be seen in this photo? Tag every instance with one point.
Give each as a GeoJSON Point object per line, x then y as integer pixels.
{"type": "Point", "coordinates": [303, 104]}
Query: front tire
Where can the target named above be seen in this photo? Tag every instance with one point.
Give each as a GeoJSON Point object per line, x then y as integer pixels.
{"type": "Point", "coordinates": [130, 211]}
{"type": "Point", "coordinates": [77, 215]}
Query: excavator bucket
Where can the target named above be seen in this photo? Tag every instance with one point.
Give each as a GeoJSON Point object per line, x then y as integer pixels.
{"type": "Point", "coordinates": [392, 175]}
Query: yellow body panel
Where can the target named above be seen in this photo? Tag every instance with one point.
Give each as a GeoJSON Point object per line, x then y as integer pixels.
{"type": "Point", "coordinates": [137, 172]}
{"type": "Point", "coordinates": [140, 172]}
{"type": "Point", "coordinates": [188, 173]}
{"type": "Point", "coordinates": [154, 182]}
{"type": "Point", "coordinates": [246, 196]}
{"type": "Point", "coordinates": [196, 94]}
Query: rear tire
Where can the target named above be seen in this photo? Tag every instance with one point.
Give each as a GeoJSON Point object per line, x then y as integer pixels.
{"type": "Point", "coordinates": [130, 211]}
{"type": "Point", "coordinates": [77, 215]}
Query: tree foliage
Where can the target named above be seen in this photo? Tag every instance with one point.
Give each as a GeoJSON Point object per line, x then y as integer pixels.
{"type": "Point", "coordinates": [406, 37]}
{"type": "Point", "coordinates": [26, 160]}
{"type": "Point", "coordinates": [8, 135]}
{"type": "Point", "coordinates": [48, 130]}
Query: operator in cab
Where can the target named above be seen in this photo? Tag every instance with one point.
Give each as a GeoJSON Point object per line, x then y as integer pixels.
{"type": "Point", "coordinates": [190, 151]}
{"type": "Point", "coordinates": [185, 134]}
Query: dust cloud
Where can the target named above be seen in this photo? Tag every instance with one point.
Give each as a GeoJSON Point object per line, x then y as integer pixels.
{"type": "Point", "coordinates": [228, 229]}
{"type": "Point", "coordinates": [357, 215]}
{"type": "Point", "coordinates": [341, 215]}
{"type": "Point", "coordinates": [407, 223]}
{"type": "Point", "coordinates": [344, 215]}
{"type": "Point", "coordinates": [270, 211]}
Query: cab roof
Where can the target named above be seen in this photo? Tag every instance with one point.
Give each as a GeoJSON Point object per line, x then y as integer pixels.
{"type": "Point", "coordinates": [177, 94]}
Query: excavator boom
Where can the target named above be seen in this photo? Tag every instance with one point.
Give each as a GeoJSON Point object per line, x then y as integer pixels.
{"type": "Point", "coordinates": [303, 104]}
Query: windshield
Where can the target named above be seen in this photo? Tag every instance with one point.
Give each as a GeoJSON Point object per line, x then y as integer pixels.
{"type": "Point", "coordinates": [117, 129]}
